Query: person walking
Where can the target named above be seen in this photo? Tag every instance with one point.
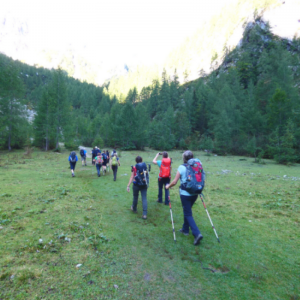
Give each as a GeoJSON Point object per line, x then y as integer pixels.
{"type": "Point", "coordinates": [104, 162]}
{"type": "Point", "coordinates": [187, 199]}
{"type": "Point", "coordinates": [140, 178]}
{"type": "Point", "coordinates": [108, 160]}
{"type": "Point", "coordinates": [94, 154]}
{"type": "Point", "coordinates": [114, 162]}
{"type": "Point", "coordinates": [83, 156]}
{"type": "Point", "coordinates": [164, 176]}
{"type": "Point", "coordinates": [73, 159]}
{"type": "Point", "coordinates": [98, 161]}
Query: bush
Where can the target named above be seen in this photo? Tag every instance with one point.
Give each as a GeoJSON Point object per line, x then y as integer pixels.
{"type": "Point", "coordinates": [71, 145]}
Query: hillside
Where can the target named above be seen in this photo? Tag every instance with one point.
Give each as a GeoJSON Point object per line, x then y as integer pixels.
{"type": "Point", "coordinates": [248, 104]}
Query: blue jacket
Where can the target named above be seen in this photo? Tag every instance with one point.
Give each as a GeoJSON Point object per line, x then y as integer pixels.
{"type": "Point", "coordinates": [75, 157]}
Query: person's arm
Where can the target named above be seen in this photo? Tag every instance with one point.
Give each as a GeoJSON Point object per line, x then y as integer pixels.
{"type": "Point", "coordinates": [130, 180]}
{"type": "Point", "coordinates": [174, 182]}
{"type": "Point", "coordinates": [155, 159]}
{"type": "Point", "coordinates": [118, 161]}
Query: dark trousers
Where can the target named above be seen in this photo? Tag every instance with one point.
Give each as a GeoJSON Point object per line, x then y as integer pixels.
{"type": "Point", "coordinates": [98, 167]}
{"type": "Point", "coordinates": [189, 222]}
{"type": "Point", "coordinates": [72, 165]}
{"type": "Point", "coordinates": [115, 170]}
{"type": "Point", "coordinates": [162, 183]}
{"type": "Point", "coordinates": [143, 189]}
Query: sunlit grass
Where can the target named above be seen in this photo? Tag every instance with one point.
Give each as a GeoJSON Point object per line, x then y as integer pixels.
{"type": "Point", "coordinates": [87, 220]}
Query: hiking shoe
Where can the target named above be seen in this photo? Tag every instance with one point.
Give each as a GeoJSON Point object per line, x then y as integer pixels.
{"type": "Point", "coordinates": [185, 233]}
{"type": "Point", "coordinates": [158, 201]}
{"type": "Point", "coordinates": [73, 175]}
{"type": "Point", "coordinates": [144, 217]}
{"type": "Point", "coordinates": [197, 239]}
{"type": "Point", "coordinates": [133, 210]}
{"type": "Point", "coordinates": [98, 175]}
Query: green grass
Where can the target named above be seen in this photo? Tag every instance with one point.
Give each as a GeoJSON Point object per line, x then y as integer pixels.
{"type": "Point", "coordinates": [87, 220]}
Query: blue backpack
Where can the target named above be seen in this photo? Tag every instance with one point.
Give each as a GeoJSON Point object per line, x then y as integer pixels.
{"type": "Point", "coordinates": [195, 178]}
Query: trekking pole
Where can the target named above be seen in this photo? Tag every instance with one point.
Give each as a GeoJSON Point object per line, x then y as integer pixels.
{"type": "Point", "coordinates": [209, 217]}
{"type": "Point", "coordinates": [172, 218]}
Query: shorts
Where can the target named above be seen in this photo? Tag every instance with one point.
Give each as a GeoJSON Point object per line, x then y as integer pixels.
{"type": "Point", "coordinates": [104, 163]}
{"type": "Point", "coordinates": [83, 158]}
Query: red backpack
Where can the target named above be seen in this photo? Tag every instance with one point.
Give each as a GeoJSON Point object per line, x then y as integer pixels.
{"type": "Point", "coordinates": [99, 160]}
{"type": "Point", "coordinates": [165, 168]}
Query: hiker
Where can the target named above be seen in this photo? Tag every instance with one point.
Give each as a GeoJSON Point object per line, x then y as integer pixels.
{"type": "Point", "coordinates": [187, 199]}
{"type": "Point", "coordinates": [98, 161]}
{"type": "Point", "coordinates": [164, 176]}
{"type": "Point", "coordinates": [113, 152]}
{"type": "Point", "coordinates": [114, 162]}
{"type": "Point", "coordinates": [94, 154]}
{"type": "Point", "coordinates": [104, 162]}
{"type": "Point", "coordinates": [97, 151]}
{"type": "Point", "coordinates": [73, 159]}
{"type": "Point", "coordinates": [140, 178]}
{"type": "Point", "coordinates": [108, 160]}
{"type": "Point", "coordinates": [83, 156]}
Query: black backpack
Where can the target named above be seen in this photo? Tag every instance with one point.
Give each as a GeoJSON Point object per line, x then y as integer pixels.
{"type": "Point", "coordinates": [104, 156]}
{"type": "Point", "coordinates": [81, 152]}
{"type": "Point", "coordinates": [142, 176]}
{"type": "Point", "coordinates": [73, 156]}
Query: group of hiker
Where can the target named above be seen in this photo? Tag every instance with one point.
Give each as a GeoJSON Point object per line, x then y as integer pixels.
{"type": "Point", "coordinates": [100, 159]}
{"type": "Point", "coordinates": [190, 174]}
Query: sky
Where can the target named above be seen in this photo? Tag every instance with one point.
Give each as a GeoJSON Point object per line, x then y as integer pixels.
{"type": "Point", "coordinates": [117, 30]}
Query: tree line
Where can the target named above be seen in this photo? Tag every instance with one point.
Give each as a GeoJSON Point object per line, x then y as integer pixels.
{"type": "Point", "coordinates": [249, 105]}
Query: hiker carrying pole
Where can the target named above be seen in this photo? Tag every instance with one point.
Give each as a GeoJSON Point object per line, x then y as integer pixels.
{"type": "Point", "coordinates": [188, 177]}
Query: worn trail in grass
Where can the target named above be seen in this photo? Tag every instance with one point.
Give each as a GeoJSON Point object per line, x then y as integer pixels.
{"type": "Point", "coordinates": [52, 222]}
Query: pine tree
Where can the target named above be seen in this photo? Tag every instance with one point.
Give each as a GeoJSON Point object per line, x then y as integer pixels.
{"type": "Point", "coordinates": [11, 106]}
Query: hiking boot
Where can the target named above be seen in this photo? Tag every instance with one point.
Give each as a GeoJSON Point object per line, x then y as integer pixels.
{"type": "Point", "coordinates": [184, 233]}
{"type": "Point", "coordinates": [73, 175]}
{"type": "Point", "coordinates": [133, 210]}
{"type": "Point", "coordinates": [158, 201]}
{"type": "Point", "coordinates": [98, 175]}
{"type": "Point", "coordinates": [144, 217]}
{"type": "Point", "coordinates": [197, 239]}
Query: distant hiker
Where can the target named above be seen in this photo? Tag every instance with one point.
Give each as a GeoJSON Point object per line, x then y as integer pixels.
{"type": "Point", "coordinates": [140, 178]}
{"type": "Point", "coordinates": [114, 162]}
{"type": "Point", "coordinates": [98, 161]}
{"type": "Point", "coordinates": [104, 162]}
{"type": "Point", "coordinates": [190, 171]}
{"type": "Point", "coordinates": [83, 156]}
{"type": "Point", "coordinates": [164, 176]}
{"type": "Point", "coordinates": [108, 159]}
{"type": "Point", "coordinates": [98, 150]}
{"type": "Point", "coordinates": [73, 159]}
{"type": "Point", "coordinates": [94, 154]}
{"type": "Point", "coordinates": [113, 152]}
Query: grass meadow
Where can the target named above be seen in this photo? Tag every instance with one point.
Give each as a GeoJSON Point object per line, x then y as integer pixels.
{"type": "Point", "coordinates": [76, 238]}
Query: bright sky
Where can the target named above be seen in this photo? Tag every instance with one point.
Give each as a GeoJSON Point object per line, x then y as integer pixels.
{"type": "Point", "coordinates": [118, 30]}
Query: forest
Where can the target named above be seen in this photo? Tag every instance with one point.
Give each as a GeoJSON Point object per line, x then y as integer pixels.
{"type": "Point", "coordinates": [248, 104]}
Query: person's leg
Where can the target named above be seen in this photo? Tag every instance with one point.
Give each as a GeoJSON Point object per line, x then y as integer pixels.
{"type": "Point", "coordinates": [85, 160]}
{"type": "Point", "coordinates": [165, 182]}
{"type": "Point", "coordinates": [135, 190]}
{"type": "Point", "coordinates": [160, 188]}
{"type": "Point", "coordinates": [72, 168]}
{"type": "Point", "coordinates": [103, 169]}
{"type": "Point", "coordinates": [98, 167]}
{"type": "Point", "coordinates": [144, 200]}
{"type": "Point", "coordinates": [115, 170]}
{"type": "Point", "coordinates": [187, 203]}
